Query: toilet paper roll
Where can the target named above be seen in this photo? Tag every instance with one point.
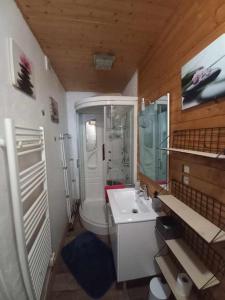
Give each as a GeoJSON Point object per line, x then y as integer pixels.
{"type": "Point", "coordinates": [184, 284]}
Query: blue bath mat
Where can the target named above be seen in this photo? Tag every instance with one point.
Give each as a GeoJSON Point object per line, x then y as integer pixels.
{"type": "Point", "coordinates": [91, 263]}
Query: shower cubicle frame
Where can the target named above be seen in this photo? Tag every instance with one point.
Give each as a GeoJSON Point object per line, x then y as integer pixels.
{"type": "Point", "coordinates": [108, 101]}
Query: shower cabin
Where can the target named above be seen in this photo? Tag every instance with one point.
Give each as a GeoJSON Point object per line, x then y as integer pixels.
{"type": "Point", "coordinates": [107, 146]}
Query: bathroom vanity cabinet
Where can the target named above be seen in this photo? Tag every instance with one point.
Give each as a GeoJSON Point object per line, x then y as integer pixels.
{"type": "Point", "coordinates": [134, 245]}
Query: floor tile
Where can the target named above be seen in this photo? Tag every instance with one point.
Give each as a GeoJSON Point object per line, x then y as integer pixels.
{"type": "Point", "coordinates": [65, 295]}
{"type": "Point", "coordinates": [65, 282]}
{"type": "Point", "coordinates": [60, 266]}
{"type": "Point", "coordinates": [81, 295]}
{"type": "Point", "coordinates": [139, 282]}
{"type": "Point", "coordinates": [118, 295]}
{"type": "Point", "coordinates": [138, 293]}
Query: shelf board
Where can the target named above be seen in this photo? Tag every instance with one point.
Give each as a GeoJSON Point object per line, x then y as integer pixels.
{"type": "Point", "coordinates": [206, 229]}
{"type": "Point", "coordinates": [197, 271]}
{"type": "Point", "coordinates": [170, 272]}
{"type": "Point", "coordinates": [194, 152]}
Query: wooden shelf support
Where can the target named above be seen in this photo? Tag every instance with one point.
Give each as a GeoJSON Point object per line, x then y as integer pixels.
{"type": "Point", "coordinates": [170, 272]}
{"type": "Point", "coordinates": [203, 227]}
{"type": "Point", "coordinates": [198, 272]}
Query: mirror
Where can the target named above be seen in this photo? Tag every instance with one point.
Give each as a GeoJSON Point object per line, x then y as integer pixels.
{"type": "Point", "coordinates": [91, 137]}
{"type": "Point", "coordinates": [153, 133]}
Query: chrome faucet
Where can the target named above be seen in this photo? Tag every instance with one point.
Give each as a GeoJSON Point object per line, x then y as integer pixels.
{"type": "Point", "coordinates": [145, 188]}
{"type": "Point", "coordinates": [144, 191]}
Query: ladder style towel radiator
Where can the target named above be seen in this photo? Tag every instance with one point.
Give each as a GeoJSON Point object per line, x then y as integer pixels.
{"type": "Point", "coordinates": [29, 193]}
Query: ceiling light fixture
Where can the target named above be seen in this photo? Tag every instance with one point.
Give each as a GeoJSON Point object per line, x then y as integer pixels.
{"type": "Point", "coordinates": [103, 61]}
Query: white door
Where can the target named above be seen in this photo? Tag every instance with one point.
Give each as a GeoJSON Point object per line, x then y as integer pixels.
{"type": "Point", "coordinates": [93, 160]}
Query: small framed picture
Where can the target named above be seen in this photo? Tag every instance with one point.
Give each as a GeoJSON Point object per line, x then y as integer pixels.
{"type": "Point", "coordinates": [54, 110]}
{"type": "Point", "coordinates": [22, 73]}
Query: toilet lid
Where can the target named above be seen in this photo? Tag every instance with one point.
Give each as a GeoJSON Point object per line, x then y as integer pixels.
{"type": "Point", "coordinates": [158, 289]}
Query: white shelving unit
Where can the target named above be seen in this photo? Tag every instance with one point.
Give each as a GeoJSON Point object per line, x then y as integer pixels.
{"type": "Point", "coordinates": [206, 229]}
{"type": "Point", "coordinates": [194, 267]}
{"type": "Point", "coordinates": [170, 271]}
{"type": "Point", "coordinates": [201, 276]}
{"type": "Point", "coordinates": [194, 152]}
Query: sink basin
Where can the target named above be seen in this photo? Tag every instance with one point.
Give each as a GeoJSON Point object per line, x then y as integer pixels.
{"type": "Point", "coordinates": [127, 206]}
{"type": "Point", "coordinates": [128, 202]}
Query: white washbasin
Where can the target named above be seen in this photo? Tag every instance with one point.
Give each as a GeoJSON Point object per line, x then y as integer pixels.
{"type": "Point", "coordinates": [128, 202]}
{"type": "Point", "coordinates": [127, 206]}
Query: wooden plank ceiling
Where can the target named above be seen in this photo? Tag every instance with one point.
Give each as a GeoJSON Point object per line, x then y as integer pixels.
{"type": "Point", "coordinates": [71, 31]}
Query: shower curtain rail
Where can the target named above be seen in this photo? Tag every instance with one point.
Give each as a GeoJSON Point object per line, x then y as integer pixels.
{"type": "Point", "coordinates": [30, 218]}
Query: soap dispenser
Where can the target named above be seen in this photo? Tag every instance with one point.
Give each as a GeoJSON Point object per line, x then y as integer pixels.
{"type": "Point", "coordinates": [156, 202]}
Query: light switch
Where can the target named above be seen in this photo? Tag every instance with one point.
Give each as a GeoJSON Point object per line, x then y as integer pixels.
{"type": "Point", "coordinates": [186, 169]}
{"type": "Point", "coordinates": [185, 179]}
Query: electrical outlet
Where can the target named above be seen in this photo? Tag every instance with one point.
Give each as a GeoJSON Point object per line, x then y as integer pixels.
{"type": "Point", "coordinates": [186, 180]}
{"type": "Point", "coordinates": [186, 169]}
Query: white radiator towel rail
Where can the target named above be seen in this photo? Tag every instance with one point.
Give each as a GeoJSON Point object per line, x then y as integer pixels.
{"type": "Point", "coordinates": [29, 194]}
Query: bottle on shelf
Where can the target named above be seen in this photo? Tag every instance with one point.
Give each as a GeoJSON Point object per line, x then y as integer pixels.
{"type": "Point", "coordinates": [156, 202]}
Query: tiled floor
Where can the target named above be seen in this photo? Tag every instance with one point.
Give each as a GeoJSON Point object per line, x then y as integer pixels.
{"type": "Point", "coordinates": [63, 285]}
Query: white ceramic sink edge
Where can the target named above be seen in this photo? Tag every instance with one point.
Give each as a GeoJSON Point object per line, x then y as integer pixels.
{"type": "Point", "coordinates": [127, 207]}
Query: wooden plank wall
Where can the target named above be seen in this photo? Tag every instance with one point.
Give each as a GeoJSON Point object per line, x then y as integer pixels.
{"type": "Point", "coordinates": [194, 25]}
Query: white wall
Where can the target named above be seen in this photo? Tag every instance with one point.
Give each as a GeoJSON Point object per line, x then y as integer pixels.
{"type": "Point", "coordinates": [27, 112]}
{"type": "Point", "coordinates": [131, 88]}
{"type": "Point", "coordinates": [72, 98]}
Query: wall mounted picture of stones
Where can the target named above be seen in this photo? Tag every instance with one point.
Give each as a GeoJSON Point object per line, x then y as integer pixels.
{"type": "Point", "coordinates": [54, 110]}
{"type": "Point", "coordinates": [203, 77]}
{"type": "Point", "coordinates": [22, 73]}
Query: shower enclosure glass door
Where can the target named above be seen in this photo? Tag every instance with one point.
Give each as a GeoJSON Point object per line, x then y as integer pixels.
{"type": "Point", "coordinates": [91, 163]}
{"type": "Point", "coordinates": [118, 144]}
{"type": "Point", "coordinates": [106, 145]}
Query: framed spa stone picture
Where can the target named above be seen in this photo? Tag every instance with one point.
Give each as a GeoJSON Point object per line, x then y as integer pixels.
{"type": "Point", "coordinates": [203, 77]}
{"type": "Point", "coordinates": [22, 72]}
